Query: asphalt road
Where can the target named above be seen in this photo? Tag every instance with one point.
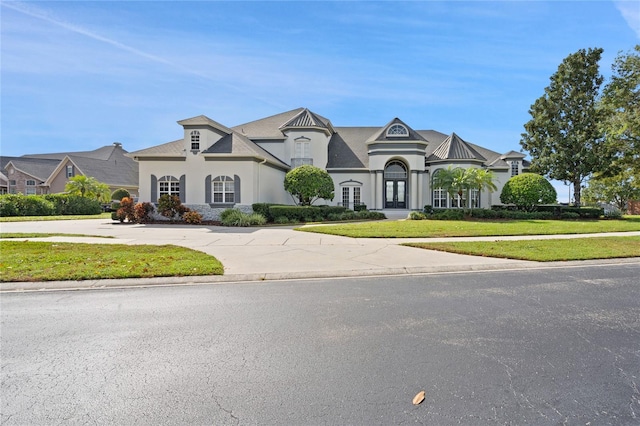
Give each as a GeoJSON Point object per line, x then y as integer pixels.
{"type": "Point", "coordinates": [538, 347]}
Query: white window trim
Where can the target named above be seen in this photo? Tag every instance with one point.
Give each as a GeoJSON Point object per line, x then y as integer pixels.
{"type": "Point", "coordinates": [397, 135]}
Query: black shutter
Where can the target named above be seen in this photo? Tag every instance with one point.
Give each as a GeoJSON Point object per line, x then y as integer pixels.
{"type": "Point", "coordinates": [207, 189]}
{"type": "Point", "coordinates": [154, 189]}
{"type": "Point", "coordinates": [236, 188]}
{"type": "Point", "coordinates": [183, 187]}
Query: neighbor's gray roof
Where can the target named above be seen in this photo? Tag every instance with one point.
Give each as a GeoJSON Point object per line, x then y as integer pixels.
{"type": "Point", "coordinates": [39, 168]}
{"type": "Point", "coordinates": [115, 170]}
{"type": "Point", "coordinates": [108, 164]}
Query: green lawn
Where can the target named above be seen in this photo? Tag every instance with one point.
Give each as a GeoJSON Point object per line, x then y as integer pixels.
{"type": "Point", "coordinates": [51, 261]}
{"type": "Point", "coordinates": [64, 217]}
{"type": "Point", "coordinates": [544, 250]}
{"type": "Point", "coordinates": [44, 235]}
{"type": "Point", "coordinates": [473, 228]}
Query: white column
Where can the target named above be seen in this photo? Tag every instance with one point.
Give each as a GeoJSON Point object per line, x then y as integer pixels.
{"type": "Point", "coordinates": [379, 189]}
{"type": "Point", "coordinates": [414, 190]}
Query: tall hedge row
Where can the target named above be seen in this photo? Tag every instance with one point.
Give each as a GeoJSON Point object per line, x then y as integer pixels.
{"type": "Point", "coordinates": [47, 205]}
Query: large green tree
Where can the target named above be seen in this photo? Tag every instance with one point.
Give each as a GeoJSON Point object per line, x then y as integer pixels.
{"type": "Point", "coordinates": [617, 189]}
{"type": "Point", "coordinates": [308, 183]}
{"type": "Point", "coordinates": [621, 103]}
{"type": "Point", "coordinates": [565, 137]}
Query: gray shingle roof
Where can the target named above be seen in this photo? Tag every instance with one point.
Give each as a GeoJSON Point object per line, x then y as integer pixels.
{"type": "Point", "coordinates": [240, 145]}
{"type": "Point", "coordinates": [381, 134]}
{"type": "Point", "coordinates": [115, 170]}
{"type": "Point", "coordinates": [39, 168]}
{"type": "Point", "coordinates": [108, 164]}
{"type": "Point", "coordinates": [169, 149]}
{"type": "Point", "coordinates": [271, 127]}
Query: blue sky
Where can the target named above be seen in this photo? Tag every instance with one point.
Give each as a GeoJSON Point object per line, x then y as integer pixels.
{"type": "Point", "coordinates": [80, 75]}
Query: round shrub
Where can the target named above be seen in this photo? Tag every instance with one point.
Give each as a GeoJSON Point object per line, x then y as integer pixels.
{"type": "Point", "coordinates": [528, 190]}
{"type": "Point", "coordinates": [119, 194]}
{"type": "Point", "coordinates": [143, 211]}
{"type": "Point", "coordinates": [417, 216]}
{"type": "Point", "coordinates": [192, 217]}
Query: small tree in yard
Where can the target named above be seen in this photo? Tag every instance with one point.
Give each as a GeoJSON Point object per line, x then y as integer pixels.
{"type": "Point", "coordinates": [127, 210]}
{"type": "Point", "coordinates": [528, 190]}
{"type": "Point", "coordinates": [170, 206]}
{"type": "Point", "coordinates": [618, 189]}
{"type": "Point", "coordinates": [119, 194]}
{"type": "Point", "coordinates": [308, 183]}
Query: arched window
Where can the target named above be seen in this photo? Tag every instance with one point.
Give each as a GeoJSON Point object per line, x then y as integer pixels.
{"type": "Point", "coordinates": [168, 185]}
{"type": "Point", "coordinates": [223, 190]}
{"type": "Point", "coordinates": [195, 140]}
{"type": "Point", "coordinates": [397, 130]}
{"type": "Point", "coordinates": [395, 170]}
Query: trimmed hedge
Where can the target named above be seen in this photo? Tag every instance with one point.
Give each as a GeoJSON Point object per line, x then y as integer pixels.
{"type": "Point", "coordinates": [47, 205]}
{"type": "Point", "coordinates": [545, 212]}
{"type": "Point", "coordinates": [304, 213]}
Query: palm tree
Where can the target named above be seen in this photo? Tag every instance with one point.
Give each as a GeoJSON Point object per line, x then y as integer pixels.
{"type": "Point", "coordinates": [83, 186]}
{"type": "Point", "coordinates": [452, 180]}
{"type": "Point", "coordinates": [479, 179]}
{"type": "Point", "coordinates": [458, 181]}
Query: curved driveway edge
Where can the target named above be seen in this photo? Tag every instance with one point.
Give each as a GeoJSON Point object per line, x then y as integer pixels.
{"type": "Point", "coordinates": [274, 253]}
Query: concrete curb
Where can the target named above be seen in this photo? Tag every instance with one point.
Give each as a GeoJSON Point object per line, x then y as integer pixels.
{"type": "Point", "coordinates": [280, 276]}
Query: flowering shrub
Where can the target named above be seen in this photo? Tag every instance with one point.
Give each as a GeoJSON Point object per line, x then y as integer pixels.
{"type": "Point", "coordinates": [192, 217]}
{"type": "Point", "coordinates": [127, 210]}
{"type": "Point", "coordinates": [170, 206]}
{"type": "Point", "coordinates": [143, 212]}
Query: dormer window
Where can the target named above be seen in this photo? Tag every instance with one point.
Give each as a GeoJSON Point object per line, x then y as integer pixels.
{"type": "Point", "coordinates": [195, 140]}
{"type": "Point", "coordinates": [397, 130]}
{"type": "Point", "coordinates": [514, 168]}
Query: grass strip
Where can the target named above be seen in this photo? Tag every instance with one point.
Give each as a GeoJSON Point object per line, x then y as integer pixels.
{"type": "Point", "coordinates": [51, 261]}
{"type": "Point", "coordinates": [45, 235]}
{"type": "Point", "coordinates": [544, 250]}
{"type": "Point", "coordinates": [47, 218]}
{"type": "Point", "coordinates": [473, 228]}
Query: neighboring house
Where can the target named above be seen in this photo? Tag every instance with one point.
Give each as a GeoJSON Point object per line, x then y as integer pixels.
{"type": "Point", "coordinates": [49, 173]}
{"type": "Point", "coordinates": [388, 167]}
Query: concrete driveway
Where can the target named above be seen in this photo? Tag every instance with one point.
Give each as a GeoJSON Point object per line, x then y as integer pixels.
{"type": "Point", "coordinates": [275, 252]}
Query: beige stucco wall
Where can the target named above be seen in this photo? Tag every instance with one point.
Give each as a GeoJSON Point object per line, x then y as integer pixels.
{"type": "Point", "coordinates": [319, 142]}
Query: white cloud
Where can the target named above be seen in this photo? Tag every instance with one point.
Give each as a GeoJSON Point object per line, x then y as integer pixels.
{"type": "Point", "coordinates": [630, 11]}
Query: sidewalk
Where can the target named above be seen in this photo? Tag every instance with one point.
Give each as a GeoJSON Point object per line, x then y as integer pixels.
{"type": "Point", "coordinates": [272, 253]}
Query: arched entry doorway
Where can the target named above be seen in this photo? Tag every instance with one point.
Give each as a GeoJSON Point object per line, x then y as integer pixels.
{"type": "Point", "coordinates": [395, 185]}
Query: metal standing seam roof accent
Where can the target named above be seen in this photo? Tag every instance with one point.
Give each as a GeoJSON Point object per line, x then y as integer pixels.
{"type": "Point", "coordinates": [454, 148]}
{"type": "Point", "coordinates": [306, 119]}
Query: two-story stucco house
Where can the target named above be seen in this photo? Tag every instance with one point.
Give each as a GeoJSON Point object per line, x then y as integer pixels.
{"type": "Point", "coordinates": [389, 167]}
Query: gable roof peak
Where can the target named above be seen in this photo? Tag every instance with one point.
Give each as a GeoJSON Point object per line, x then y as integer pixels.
{"type": "Point", "coordinates": [455, 148]}
{"type": "Point", "coordinates": [307, 119]}
{"type": "Point", "coordinates": [203, 120]}
{"type": "Point", "coordinates": [383, 133]}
